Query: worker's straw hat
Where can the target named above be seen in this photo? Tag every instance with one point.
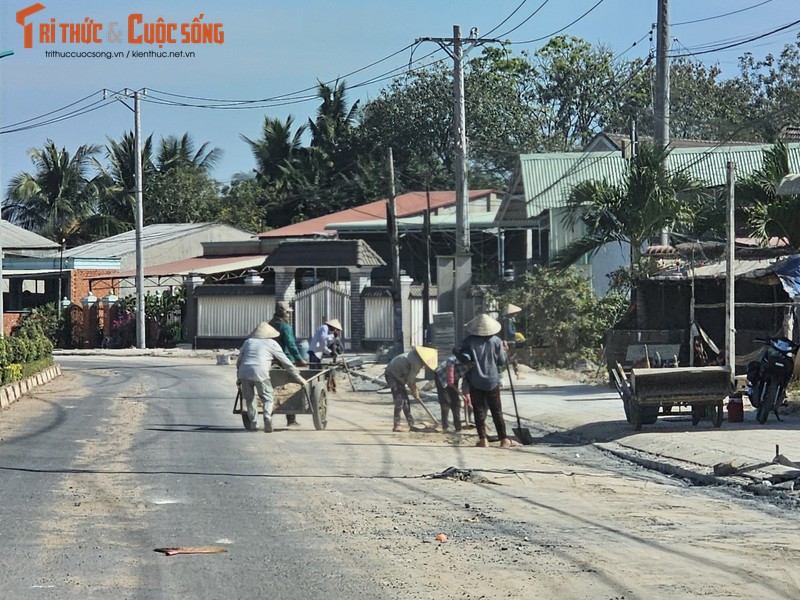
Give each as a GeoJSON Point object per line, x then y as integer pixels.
{"type": "Point", "coordinates": [483, 324]}
{"type": "Point", "coordinates": [282, 306]}
{"type": "Point", "coordinates": [428, 355]}
{"type": "Point", "coordinates": [512, 309]}
{"type": "Point", "coordinates": [264, 331]}
{"type": "Point", "coordinates": [334, 323]}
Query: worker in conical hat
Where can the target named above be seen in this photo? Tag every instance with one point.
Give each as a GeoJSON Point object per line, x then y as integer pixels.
{"type": "Point", "coordinates": [489, 357]}
{"type": "Point", "coordinates": [252, 371]}
{"type": "Point", "coordinates": [509, 335]}
{"type": "Point", "coordinates": [402, 371]}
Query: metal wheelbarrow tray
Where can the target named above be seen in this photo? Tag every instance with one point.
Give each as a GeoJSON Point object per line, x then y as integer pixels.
{"type": "Point", "coordinates": [310, 399]}
{"type": "Point", "coordinates": [648, 390]}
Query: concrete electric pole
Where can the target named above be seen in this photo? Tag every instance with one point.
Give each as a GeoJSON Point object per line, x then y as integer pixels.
{"type": "Point", "coordinates": [462, 262]}
{"type": "Point", "coordinates": [139, 214]}
{"type": "Point", "coordinates": [394, 242]}
{"type": "Point", "coordinates": [661, 108]}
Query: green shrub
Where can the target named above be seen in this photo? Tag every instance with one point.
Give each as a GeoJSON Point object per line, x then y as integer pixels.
{"type": "Point", "coordinates": [561, 313]}
{"type": "Point", "coordinates": [25, 353]}
{"type": "Point", "coordinates": [12, 372]}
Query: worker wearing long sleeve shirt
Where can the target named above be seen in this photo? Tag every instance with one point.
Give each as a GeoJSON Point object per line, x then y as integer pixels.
{"type": "Point", "coordinates": [252, 370]}
{"type": "Point", "coordinates": [401, 372]}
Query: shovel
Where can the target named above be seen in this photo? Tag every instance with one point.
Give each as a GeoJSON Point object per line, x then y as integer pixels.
{"type": "Point", "coordinates": [522, 433]}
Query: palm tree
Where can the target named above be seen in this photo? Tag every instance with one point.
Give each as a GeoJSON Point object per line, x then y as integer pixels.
{"type": "Point", "coordinates": [117, 183]}
{"type": "Point", "coordinates": [277, 149]}
{"type": "Point", "coordinates": [648, 200]}
{"type": "Point", "coordinates": [57, 199]}
{"type": "Point", "coordinates": [770, 215]}
{"type": "Point", "coordinates": [179, 152]}
{"type": "Point", "coordinates": [331, 129]}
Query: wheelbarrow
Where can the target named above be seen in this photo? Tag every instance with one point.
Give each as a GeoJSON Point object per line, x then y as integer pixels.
{"type": "Point", "coordinates": [291, 398]}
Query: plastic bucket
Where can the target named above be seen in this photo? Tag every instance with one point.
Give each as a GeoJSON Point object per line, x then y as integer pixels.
{"type": "Point", "coordinates": [735, 410]}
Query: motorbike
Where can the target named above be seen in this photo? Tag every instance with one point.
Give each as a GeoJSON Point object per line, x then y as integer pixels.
{"type": "Point", "coordinates": [768, 377]}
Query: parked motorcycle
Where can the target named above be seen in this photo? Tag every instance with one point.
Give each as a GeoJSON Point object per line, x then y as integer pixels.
{"type": "Point", "coordinates": [767, 378]}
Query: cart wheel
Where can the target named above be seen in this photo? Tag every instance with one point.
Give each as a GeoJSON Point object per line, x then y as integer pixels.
{"type": "Point", "coordinates": [635, 410]}
{"type": "Point", "coordinates": [716, 415]}
{"type": "Point", "coordinates": [649, 413]}
{"type": "Point", "coordinates": [319, 407]}
{"type": "Point", "coordinates": [626, 406]}
{"type": "Point", "coordinates": [698, 411]}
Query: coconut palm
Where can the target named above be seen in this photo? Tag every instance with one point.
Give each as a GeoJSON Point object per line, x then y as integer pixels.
{"type": "Point", "coordinates": [117, 183]}
{"type": "Point", "coordinates": [179, 152]}
{"type": "Point", "coordinates": [276, 150]}
{"type": "Point", "coordinates": [58, 198]}
{"type": "Point", "coordinates": [649, 199]}
{"type": "Point", "coordinates": [770, 215]}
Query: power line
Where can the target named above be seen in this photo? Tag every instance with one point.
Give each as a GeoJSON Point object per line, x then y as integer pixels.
{"type": "Point", "coordinates": [739, 43]}
{"type": "Point", "coordinates": [528, 18]}
{"type": "Point", "coordinates": [727, 14]}
{"type": "Point", "coordinates": [503, 22]}
{"type": "Point", "coordinates": [567, 26]}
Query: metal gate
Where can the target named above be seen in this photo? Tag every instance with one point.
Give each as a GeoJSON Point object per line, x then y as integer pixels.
{"type": "Point", "coordinates": [326, 300]}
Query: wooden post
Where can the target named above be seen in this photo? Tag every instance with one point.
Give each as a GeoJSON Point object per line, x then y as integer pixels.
{"type": "Point", "coordinates": [730, 297]}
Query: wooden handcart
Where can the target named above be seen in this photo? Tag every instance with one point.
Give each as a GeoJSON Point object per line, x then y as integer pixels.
{"type": "Point", "coordinates": [648, 393]}
{"type": "Point", "coordinates": [310, 399]}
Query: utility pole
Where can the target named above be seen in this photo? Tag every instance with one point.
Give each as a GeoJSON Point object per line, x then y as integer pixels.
{"type": "Point", "coordinates": [394, 242]}
{"type": "Point", "coordinates": [730, 297]}
{"type": "Point", "coordinates": [661, 108]}
{"type": "Point", "coordinates": [426, 288]}
{"type": "Point", "coordinates": [140, 337]}
{"type": "Point", "coordinates": [3, 54]}
{"type": "Point", "coordinates": [462, 263]}
{"type": "Point", "coordinates": [139, 213]}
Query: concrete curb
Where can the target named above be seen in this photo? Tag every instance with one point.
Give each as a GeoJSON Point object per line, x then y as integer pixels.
{"type": "Point", "coordinates": [12, 392]}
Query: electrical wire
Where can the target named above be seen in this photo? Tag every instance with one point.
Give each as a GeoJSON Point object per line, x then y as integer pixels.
{"type": "Point", "coordinates": [504, 21]}
{"type": "Point", "coordinates": [727, 14]}
{"type": "Point", "coordinates": [528, 18]}
{"type": "Point", "coordinates": [284, 96]}
{"type": "Point", "coordinates": [738, 43]}
{"type": "Point", "coordinates": [567, 26]}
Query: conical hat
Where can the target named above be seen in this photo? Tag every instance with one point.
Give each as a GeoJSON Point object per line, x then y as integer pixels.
{"type": "Point", "coordinates": [264, 331]}
{"type": "Point", "coordinates": [334, 323]}
{"type": "Point", "coordinates": [428, 355]}
{"type": "Point", "coordinates": [483, 324]}
{"type": "Point", "coordinates": [512, 309]}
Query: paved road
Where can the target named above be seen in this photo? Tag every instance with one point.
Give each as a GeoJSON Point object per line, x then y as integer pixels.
{"type": "Point", "coordinates": [124, 454]}
{"type": "Point", "coordinates": [90, 486]}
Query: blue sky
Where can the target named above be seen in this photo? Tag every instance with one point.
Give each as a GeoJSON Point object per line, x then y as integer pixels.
{"type": "Point", "coordinates": [273, 48]}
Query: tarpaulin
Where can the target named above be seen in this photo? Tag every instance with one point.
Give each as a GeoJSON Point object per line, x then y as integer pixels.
{"type": "Point", "coordinates": [789, 274]}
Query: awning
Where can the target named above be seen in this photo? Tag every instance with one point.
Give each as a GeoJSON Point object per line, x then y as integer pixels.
{"type": "Point", "coordinates": [202, 265]}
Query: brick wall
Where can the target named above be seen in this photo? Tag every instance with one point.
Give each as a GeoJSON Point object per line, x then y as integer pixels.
{"type": "Point", "coordinates": [79, 283]}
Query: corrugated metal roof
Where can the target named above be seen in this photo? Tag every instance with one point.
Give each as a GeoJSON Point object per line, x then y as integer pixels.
{"type": "Point", "coordinates": [477, 220]}
{"type": "Point", "coordinates": [742, 269]}
{"type": "Point", "coordinates": [203, 265]}
{"type": "Point", "coordinates": [124, 244]}
{"type": "Point", "coordinates": [408, 204]}
{"type": "Point", "coordinates": [17, 238]}
{"type": "Point", "coordinates": [549, 178]}
{"type": "Point", "coordinates": [789, 186]}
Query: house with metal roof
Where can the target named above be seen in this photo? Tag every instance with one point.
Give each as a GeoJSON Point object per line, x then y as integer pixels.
{"type": "Point", "coordinates": [39, 273]}
{"type": "Point", "coordinates": [544, 182]}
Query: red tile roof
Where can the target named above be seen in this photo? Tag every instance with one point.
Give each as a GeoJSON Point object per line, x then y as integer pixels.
{"type": "Point", "coordinates": [407, 205]}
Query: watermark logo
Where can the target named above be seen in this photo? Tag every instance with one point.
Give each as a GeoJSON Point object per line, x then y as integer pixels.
{"type": "Point", "coordinates": [27, 28]}
{"type": "Point", "coordinates": [136, 29]}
